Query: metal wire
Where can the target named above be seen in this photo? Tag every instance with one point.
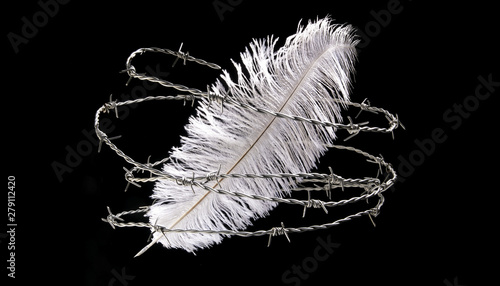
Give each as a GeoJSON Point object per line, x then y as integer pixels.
{"type": "Point", "coordinates": [309, 182]}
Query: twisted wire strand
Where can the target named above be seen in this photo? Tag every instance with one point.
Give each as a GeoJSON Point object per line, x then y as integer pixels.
{"type": "Point", "coordinates": [375, 190]}
{"type": "Point", "coordinates": [228, 232]}
{"type": "Point", "coordinates": [372, 186]}
{"type": "Point", "coordinates": [355, 128]}
{"type": "Point", "coordinates": [114, 105]}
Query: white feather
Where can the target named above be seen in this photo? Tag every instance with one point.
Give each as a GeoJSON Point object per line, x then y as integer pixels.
{"type": "Point", "coordinates": [301, 78]}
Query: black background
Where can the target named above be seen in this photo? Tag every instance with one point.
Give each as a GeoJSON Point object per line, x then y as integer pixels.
{"type": "Point", "coordinates": [436, 228]}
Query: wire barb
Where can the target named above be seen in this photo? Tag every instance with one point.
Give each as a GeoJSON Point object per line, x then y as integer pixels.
{"type": "Point", "coordinates": [378, 161]}
{"type": "Point", "coordinates": [111, 105]}
{"type": "Point", "coordinates": [314, 204]}
{"type": "Point", "coordinates": [111, 218]}
{"type": "Point", "coordinates": [278, 231]}
{"type": "Point", "coordinates": [213, 176]}
{"type": "Point", "coordinates": [189, 97]}
{"type": "Point", "coordinates": [354, 129]}
{"type": "Point", "coordinates": [365, 106]}
{"type": "Point", "coordinates": [101, 139]}
{"type": "Point", "coordinates": [181, 55]}
{"type": "Point", "coordinates": [129, 177]}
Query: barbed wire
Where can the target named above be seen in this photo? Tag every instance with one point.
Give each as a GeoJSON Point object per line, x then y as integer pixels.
{"type": "Point", "coordinates": [308, 182]}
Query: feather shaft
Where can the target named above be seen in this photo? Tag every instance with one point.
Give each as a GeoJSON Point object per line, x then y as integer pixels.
{"type": "Point", "coordinates": [300, 78]}
{"type": "Point", "coordinates": [256, 141]}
